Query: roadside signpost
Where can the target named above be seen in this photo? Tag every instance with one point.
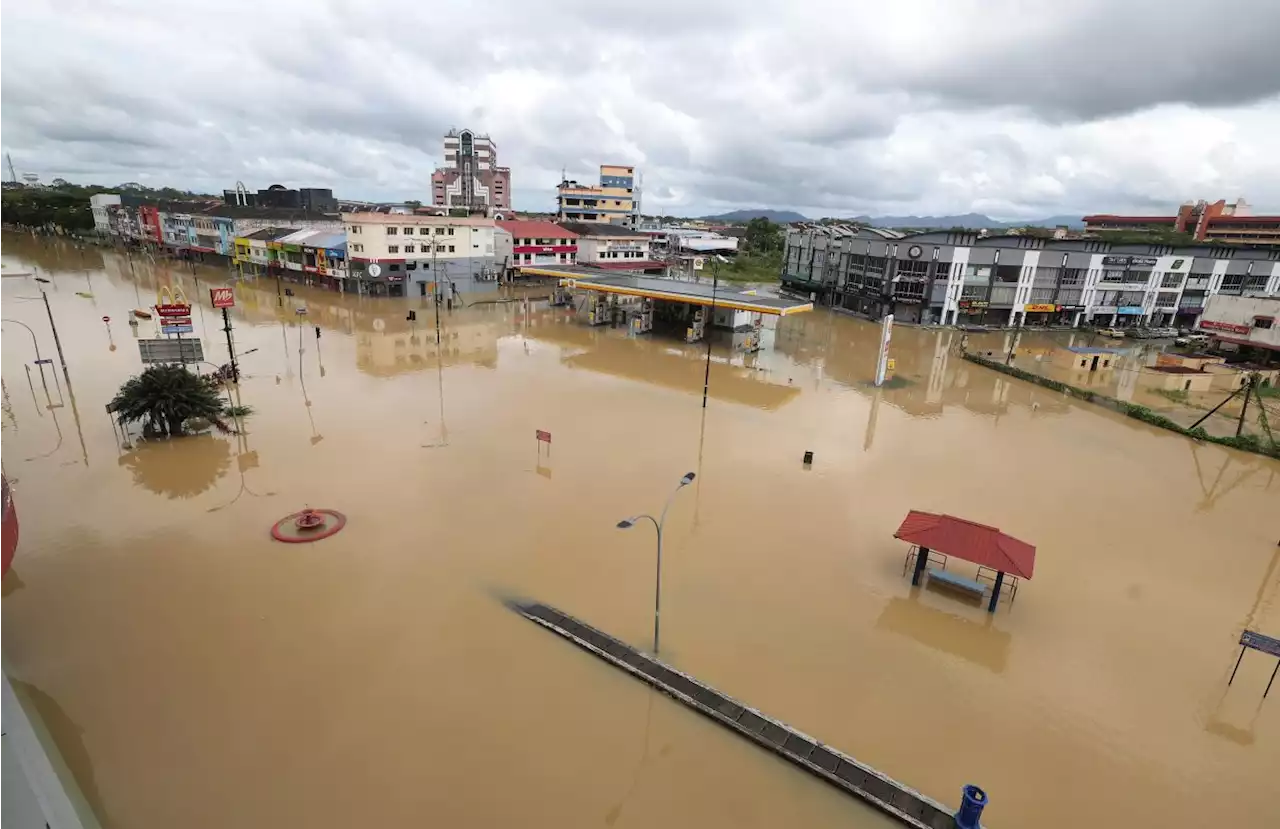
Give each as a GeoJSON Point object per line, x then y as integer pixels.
{"type": "Point", "coordinates": [175, 318]}
{"type": "Point", "coordinates": [222, 297]}
{"type": "Point", "coordinates": [225, 298]}
{"type": "Point", "coordinates": [164, 350]}
{"type": "Point", "coordinates": [882, 362]}
{"type": "Point", "coordinates": [1252, 640]}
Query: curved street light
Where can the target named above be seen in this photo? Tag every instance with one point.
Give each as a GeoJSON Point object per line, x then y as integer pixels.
{"type": "Point", "coordinates": [34, 341]}
{"type": "Point", "coordinates": [628, 523]}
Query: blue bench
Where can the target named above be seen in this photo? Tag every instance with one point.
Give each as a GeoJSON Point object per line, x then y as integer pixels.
{"type": "Point", "coordinates": [971, 586]}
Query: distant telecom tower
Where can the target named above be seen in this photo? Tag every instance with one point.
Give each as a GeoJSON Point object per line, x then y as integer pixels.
{"type": "Point", "coordinates": [13, 174]}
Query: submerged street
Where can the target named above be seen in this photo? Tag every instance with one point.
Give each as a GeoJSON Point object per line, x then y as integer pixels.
{"type": "Point", "coordinates": [194, 672]}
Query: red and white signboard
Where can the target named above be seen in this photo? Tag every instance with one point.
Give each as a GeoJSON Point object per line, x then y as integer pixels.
{"type": "Point", "coordinates": [542, 436]}
{"type": "Point", "coordinates": [173, 310]}
{"type": "Point", "coordinates": [1214, 325]}
{"type": "Point", "coordinates": [105, 318]}
{"type": "Point", "coordinates": [222, 297]}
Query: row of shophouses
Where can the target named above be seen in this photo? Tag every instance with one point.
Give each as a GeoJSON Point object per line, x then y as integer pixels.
{"type": "Point", "coordinates": [961, 277]}
{"type": "Point", "coordinates": [392, 254]}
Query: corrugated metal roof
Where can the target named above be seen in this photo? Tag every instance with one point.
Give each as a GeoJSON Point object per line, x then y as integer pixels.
{"type": "Point", "coordinates": [268, 234]}
{"type": "Point", "coordinates": [302, 237]}
{"type": "Point", "coordinates": [970, 541]}
{"type": "Point", "coordinates": [326, 240]}
{"type": "Point", "coordinates": [536, 229]}
{"type": "Point", "coordinates": [602, 229]}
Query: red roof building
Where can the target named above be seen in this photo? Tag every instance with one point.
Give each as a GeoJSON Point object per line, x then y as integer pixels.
{"type": "Point", "coordinates": [1204, 221]}
{"type": "Point", "coordinates": [537, 242]}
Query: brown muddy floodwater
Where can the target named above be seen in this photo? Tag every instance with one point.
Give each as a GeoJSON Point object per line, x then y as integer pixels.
{"type": "Point", "coordinates": [197, 674]}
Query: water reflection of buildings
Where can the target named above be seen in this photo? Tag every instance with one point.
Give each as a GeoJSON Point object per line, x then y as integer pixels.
{"type": "Point", "coordinates": [385, 353]}
{"type": "Point", "coordinates": [386, 341]}
{"type": "Point", "coordinates": [929, 374]}
{"type": "Point", "coordinates": [664, 362]}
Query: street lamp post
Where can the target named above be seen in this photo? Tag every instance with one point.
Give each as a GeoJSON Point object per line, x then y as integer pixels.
{"type": "Point", "coordinates": [627, 523]}
{"type": "Point", "coordinates": [56, 342]}
{"type": "Point", "coordinates": [34, 341]}
{"type": "Point", "coordinates": [225, 385]}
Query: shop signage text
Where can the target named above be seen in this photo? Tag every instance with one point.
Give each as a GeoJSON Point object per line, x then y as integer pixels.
{"type": "Point", "coordinates": [1042, 309]}
{"type": "Point", "coordinates": [1132, 261]}
{"type": "Point", "coordinates": [1129, 309]}
{"type": "Point", "coordinates": [222, 297]}
{"type": "Point", "coordinates": [1214, 325]}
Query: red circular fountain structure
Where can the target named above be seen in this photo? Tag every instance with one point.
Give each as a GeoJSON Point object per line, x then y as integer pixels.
{"type": "Point", "coordinates": [308, 525]}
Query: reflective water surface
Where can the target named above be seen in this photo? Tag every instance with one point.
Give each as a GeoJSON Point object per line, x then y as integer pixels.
{"type": "Point", "coordinates": [196, 673]}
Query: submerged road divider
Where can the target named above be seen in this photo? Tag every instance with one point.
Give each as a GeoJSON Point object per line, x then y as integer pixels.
{"type": "Point", "coordinates": [902, 802]}
{"type": "Point", "coordinates": [1248, 443]}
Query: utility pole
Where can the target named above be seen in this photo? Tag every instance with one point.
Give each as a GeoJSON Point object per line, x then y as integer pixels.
{"type": "Point", "coordinates": [52, 325]}
{"type": "Point", "coordinates": [231, 349]}
{"type": "Point", "coordinates": [1244, 407]}
{"type": "Point", "coordinates": [435, 293]}
{"type": "Point", "coordinates": [706, 329]}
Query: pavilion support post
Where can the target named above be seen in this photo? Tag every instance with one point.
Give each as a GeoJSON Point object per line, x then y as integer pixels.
{"type": "Point", "coordinates": [922, 561]}
{"type": "Point", "coordinates": [1273, 679]}
{"type": "Point", "coordinates": [1232, 678]}
{"type": "Point", "coordinates": [995, 592]}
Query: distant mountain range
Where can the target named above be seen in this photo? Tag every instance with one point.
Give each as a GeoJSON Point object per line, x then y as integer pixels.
{"type": "Point", "coordinates": [779, 216]}
{"type": "Point", "coordinates": [970, 220]}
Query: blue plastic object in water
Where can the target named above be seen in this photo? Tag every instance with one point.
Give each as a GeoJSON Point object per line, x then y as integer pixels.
{"type": "Point", "coordinates": [972, 801]}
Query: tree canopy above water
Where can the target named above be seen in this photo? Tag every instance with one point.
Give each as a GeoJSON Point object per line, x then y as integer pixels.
{"type": "Point", "coordinates": [165, 397]}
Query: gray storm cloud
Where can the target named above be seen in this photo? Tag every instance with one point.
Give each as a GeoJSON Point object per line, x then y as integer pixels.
{"type": "Point", "coordinates": [1019, 109]}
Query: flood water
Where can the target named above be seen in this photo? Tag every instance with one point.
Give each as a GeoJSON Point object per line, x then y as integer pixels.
{"type": "Point", "coordinates": [196, 673]}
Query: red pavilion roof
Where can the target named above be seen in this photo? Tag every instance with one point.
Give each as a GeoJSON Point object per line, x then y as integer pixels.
{"type": "Point", "coordinates": [970, 541]}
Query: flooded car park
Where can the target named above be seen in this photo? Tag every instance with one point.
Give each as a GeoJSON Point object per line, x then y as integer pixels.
{"type": "Point", "coordinates": [194, 672]}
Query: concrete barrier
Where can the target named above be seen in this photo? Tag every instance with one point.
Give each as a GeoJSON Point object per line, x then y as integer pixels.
{"type": "Point", "coordinates": [831, 765]}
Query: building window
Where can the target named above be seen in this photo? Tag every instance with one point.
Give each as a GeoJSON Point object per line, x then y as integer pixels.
{"type": "Point", "coordinates": [440, 231]}
{"type": "Point", "coordinates": [450, 231]}
{"type": "Point", "coordinates": [391, 231]}
{"type": "Point", "coordinates": [408, 231]}
{"type": "Point", "coordinates": [451, 248]}
{"type": "Point", "coordinates": [408, 248]}
{"type": "Point", "coordinates": [393, 248]}
{"type": "Point", "coordinates": [1262, 322]}
{"type": "Point", "coordinates": [411, 266]}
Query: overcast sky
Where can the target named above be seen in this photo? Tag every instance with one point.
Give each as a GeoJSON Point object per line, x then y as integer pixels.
{"type": "Point", "coordinates": [1014, 109]}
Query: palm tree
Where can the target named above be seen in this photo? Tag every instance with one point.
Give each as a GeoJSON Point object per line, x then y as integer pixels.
{"type": "Point", "coordinates": [165, 397]}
